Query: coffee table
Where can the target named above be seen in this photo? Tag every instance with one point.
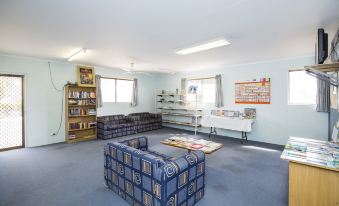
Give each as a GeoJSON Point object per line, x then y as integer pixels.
{"type": "Point", "coordinates": [192, 144]}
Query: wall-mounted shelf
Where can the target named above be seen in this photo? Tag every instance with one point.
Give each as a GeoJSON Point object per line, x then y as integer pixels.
{"type": "Point", "coordinates": [184, 113]}
{"type": "Point", "coordinates": [181, 114]}
{"type": "Point", "coordinates": [181, 123]}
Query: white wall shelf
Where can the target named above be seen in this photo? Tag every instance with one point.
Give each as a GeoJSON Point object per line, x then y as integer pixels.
{"type": "Point", "coordinates": [176, 110]}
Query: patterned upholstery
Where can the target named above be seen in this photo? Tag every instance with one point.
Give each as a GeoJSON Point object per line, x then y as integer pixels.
{"type": "Point", "coordinates": [121, 125]}
{"type": "Point", "coordinates": [115, 126]}
{"type": "Point", "coordinates": [143, 178]}
{"type": "Point", "coordinates": [146, 121]}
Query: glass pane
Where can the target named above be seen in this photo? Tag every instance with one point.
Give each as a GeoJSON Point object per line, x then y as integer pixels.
{"type": "Point", "coordinates": [303, 88]}
{"type": "Point", "coordinates": [208, 91]}
{"type": "Point", "coordinates": [193, 87]}
{"type": "Point", "coordinates": [10, 112]}
{"type": "Point", "coordinates": [124, 90]}
{"type": "Point", "coordinates": [108, 90]}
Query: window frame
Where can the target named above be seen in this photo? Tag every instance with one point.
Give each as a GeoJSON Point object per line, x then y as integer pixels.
{"type": "Point", "coordinates": [289, 90]}
{"type": "Point", "coordinates": [116, 89]}
{"type": "Point", "coordinates": [202, 84]}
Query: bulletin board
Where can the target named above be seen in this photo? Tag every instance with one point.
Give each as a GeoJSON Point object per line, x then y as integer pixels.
{"type": "Point", "coordinates": [253, 92]}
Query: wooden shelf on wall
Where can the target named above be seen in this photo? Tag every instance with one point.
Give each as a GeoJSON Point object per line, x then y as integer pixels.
{"type": "Point", "coordinates": [80, 123]}
{"type": "Point", "coordinates": [324, 67]}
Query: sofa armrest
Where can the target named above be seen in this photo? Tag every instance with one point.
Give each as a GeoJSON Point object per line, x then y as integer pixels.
{"type": "Point", "coordinates": [184, 173]}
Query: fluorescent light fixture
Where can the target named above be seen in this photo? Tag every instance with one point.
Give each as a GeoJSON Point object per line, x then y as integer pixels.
{"type": "Point", "coordinates": [205, 46]}
{"type": "Point", "coordinates": [77, 54]}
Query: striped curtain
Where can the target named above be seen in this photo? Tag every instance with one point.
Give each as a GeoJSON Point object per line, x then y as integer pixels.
{"type": "Point", "coordinates": [323, 96]}
{"type": "Point", "coordinates": [134, 101]}
{"type": "Point", "coordinates": [98, 90]}
{"type": "Point", "coordinates": [219, 102]}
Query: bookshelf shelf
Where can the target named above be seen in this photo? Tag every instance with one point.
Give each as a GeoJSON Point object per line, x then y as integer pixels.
{"type": "Point", "coordinates": [81, 115]}
{"type": "Point", "coordinates": [88, 105]}
{"type": "Point", "coordinates": [84, 138]}
{"type": "Point", "coordinates": [72, 130]}
{"type": "Point", "coordinates": [80, 112]}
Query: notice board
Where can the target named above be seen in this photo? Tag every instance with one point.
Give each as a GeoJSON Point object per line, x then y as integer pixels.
{"type": "Point", "coordinates": [253, 92]}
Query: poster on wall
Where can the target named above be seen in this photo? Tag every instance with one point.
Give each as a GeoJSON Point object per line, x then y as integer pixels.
{"type": "Point", "coordinates": [253, 92]}
{"type": "Point", "coordinates": [86, 76]}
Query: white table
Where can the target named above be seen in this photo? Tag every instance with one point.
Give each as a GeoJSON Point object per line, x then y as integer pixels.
{"type": "Point", "coordinates": [235, 124]}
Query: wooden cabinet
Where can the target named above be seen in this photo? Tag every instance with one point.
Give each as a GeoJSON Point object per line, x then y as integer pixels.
{"type": "Point", "coordinates": [312, 186]}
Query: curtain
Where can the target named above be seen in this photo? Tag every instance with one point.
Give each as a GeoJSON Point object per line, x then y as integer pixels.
{"type": "Point", "coordinates": [323, 96]}
{"type": "Point", "coordinates": [134, 101]}
{"type": "Point", "coordinates": [183, 88]}
{"type": "Point", "coordinates": [218, 91]}
{"type": "Point", "coordinates": [98, 90]}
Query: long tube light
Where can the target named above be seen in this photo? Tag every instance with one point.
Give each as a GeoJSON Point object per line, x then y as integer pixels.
{"type": "Point", "coordinates": [77, 54]}
{"type": "Point", "coordinates": [205, 46]}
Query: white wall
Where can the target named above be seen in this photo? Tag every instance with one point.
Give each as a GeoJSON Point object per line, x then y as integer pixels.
{"type": "Point", "coordinates": [276, 121]}
{"type": "Point", "coordinates": [43, 103]}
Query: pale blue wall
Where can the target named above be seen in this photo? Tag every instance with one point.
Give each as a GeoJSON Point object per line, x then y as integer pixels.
{"type": "Point", "coordinates": [43, 103]}
{"type": "Point", "coordinates": [276, 121]}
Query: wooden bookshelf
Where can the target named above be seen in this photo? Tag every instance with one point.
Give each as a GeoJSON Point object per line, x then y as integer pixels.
{"type": "Point", "coordinates": [80, 113]}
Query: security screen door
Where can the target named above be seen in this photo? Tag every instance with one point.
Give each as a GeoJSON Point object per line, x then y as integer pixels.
{"type": "Point", "coordinates": [11, 112]}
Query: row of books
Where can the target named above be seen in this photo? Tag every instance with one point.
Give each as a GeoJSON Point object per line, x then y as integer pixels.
{"type": "Point", "coordinates": [81, 125]}
{"type": "Point", "coordinates": [249, 113]}
{"type": "Point", "coordinates": [312, 151]}
{"type": "Point", "coordinates": [79, 111]}
{"type": "Point", "coordinates": [81, 102]}
{"type": "Point", "coordinates": [81, 94]}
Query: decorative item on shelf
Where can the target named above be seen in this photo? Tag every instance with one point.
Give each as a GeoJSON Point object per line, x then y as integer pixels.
{"type": "Point", "coordinates": [253, 92]}
{"type": "Point", "coordinates": [250, 113]}
{"type": "Point", "coordinates": [86, 76]}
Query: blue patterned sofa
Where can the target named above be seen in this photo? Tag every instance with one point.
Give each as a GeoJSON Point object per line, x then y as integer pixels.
{"type": "Point", "coordinates": [115, 126]}
{"type": "Point", "coordinates": [146, 178]}
{"type": "Point", "coordinates": [146, 121]}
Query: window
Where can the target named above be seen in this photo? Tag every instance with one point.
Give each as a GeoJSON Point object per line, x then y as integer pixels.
{"type": "Point", "coordinates": [108, 90]}
{"type": "Point", "coordinates": [302, 88]}
{"type": "Point", "coordinates": [124, 90]}
{"type": "Point", "coordinates": [116, 90]}
{"type": "Point", "coordinates": [205, 88]}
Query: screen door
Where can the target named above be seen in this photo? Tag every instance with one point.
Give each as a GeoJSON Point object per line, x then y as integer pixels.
{"type": "Point", "coordinates": [11, 112]}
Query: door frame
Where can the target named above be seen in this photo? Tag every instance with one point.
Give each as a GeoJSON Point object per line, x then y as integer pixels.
{"type": "Point", "coordinates": [22, 110]}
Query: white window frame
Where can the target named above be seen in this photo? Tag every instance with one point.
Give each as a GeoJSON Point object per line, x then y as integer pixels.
{"type": "Point", "coordinates": [289, 91]}
{"type": "Point", "coordinates": [202, 89]}
{"type": "Point", "coordinates": [116, 89]}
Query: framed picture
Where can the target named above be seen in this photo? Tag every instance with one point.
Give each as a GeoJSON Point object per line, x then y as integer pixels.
{"type": "Point", "coordinates": [86, 76]}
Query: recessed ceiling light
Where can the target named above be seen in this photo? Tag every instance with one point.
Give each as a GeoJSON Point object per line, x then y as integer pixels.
{"type": "Point", "coordinates": [77, 54]}
{"type": "Point", "coordinates": [205, 46]}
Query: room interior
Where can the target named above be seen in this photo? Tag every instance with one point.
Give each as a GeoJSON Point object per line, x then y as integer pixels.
{"type": "Point", "coordinates": [150, 103]}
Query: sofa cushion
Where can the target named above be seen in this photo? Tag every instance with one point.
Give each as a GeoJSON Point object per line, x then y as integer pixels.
{"type": "Point", "coordinates": [160, 155]}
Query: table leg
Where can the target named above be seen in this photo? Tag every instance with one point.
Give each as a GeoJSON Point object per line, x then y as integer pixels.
{"type": "Point", "coordinates": [243, 137]}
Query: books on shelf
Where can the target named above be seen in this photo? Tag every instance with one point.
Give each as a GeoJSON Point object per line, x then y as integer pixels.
{"type": "Point", "coordinates": [81, 94]}
{"type": "Point", "coordinates": [81, 112]}
{"type": "Point", "coordinates": [81, 125]}
{"type": "Point", "coordinates": [76, 102]}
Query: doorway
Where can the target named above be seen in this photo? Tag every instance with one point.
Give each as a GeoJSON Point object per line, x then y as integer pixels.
{"type": "Point", "coordinates": [11, 112]}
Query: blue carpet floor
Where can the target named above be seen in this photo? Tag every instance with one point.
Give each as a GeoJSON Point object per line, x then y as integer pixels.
{"type": "Point", "coordinates": [72, 174]}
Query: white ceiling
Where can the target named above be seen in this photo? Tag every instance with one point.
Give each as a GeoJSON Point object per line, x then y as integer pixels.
{"type": "Point", "coordinates": [147, 32]}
